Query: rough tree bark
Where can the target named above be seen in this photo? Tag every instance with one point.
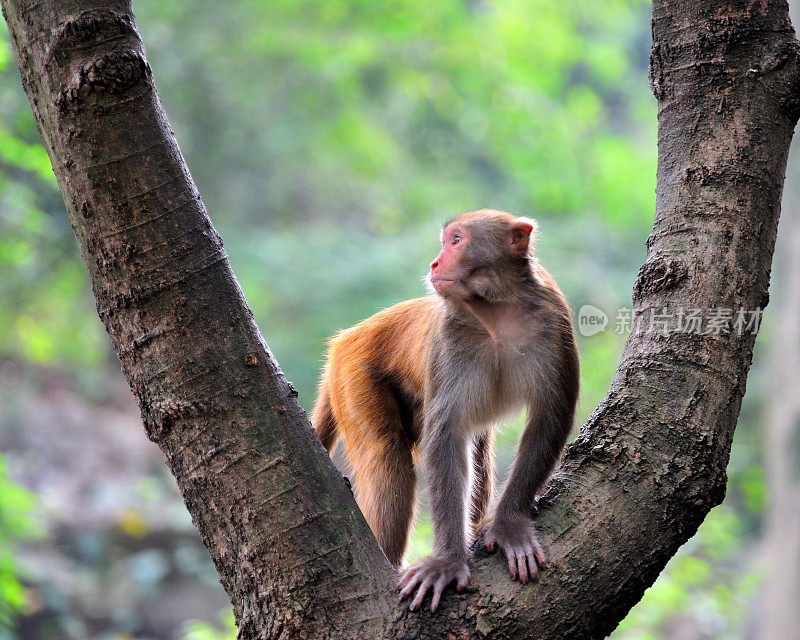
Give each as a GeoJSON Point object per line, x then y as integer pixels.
{"type": "Point", "coordinates": [291, 548]}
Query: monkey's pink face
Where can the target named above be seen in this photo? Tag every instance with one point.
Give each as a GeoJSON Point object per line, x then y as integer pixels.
{"type": "Point", "coordinates": [447, 270]}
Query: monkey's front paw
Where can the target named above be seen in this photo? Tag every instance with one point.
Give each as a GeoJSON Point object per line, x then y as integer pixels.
{"type": "Point", "coordinates": [516, 536]}
{"type": "Point", "coordinates": [433, 572]}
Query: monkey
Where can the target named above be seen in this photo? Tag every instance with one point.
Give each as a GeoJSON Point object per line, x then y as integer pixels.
{"type": "Point", "coordinates": [427, 380]}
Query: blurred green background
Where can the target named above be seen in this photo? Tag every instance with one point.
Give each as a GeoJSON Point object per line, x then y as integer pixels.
{"type": "Point", "coordinates": [330, 139]}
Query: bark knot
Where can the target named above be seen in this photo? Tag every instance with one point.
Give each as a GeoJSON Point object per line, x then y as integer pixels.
{"type": "Point", "coordinates": [88, 28]}
{"type": "Point", "coordinates": [113, 73]}
{"type": "Point", "coordinates": [159, 417]}
{"type": "Point", "coordinates": [659, 274]}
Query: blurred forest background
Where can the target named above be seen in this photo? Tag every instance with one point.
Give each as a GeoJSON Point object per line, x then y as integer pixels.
{"type": "Point", "coordinates": [329, 140]}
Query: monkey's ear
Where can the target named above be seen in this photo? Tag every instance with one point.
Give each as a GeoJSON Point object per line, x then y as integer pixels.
{"type": "Point", "coordinates": [523, 234]}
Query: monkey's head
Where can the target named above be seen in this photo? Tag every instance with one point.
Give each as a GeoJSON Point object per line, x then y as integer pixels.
{"type": "Point", "coordinates": [485, 254]}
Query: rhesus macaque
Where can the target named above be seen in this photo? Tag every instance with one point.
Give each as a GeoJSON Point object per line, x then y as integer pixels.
{"type": "Point", "coordinates": [429, 378]}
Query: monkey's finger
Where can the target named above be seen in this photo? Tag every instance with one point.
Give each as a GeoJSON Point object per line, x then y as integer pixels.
{"type": "Point", "coordinates": [539, 555]}
{"type": "Point", "coordinates": [411, 571]}
{"type": "Point", "coordinates": [489, 544]}
{"type": "Point", "coordinates": [408, 574]}
{"type": "Point", "coordinates": [441, 583]}
{"type": "Point", "coordinates": [512, 565]}
{"type": "Point", "coordinates": [423, 589]}
{"type": "Point", "coordinates": [533, 569]}
{"type": "Point", "coordinates": [410, 587]}
{"type": "Point", "coordinates": [463, 579]}
{"type": "Point", "coordinates": [522, 568]}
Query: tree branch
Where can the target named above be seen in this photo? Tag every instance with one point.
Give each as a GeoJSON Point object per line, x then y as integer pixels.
{"type": "Point", "coordinates": [258, 484]}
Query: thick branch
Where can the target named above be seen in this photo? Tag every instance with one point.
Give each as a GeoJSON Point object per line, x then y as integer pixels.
{"type": "Point", "coordinates": [284, 532]}
{"type": "Point", "coordinates": [291, 548]}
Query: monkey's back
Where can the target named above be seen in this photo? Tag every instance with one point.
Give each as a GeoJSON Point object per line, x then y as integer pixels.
{"type": "Point", "coordinates": [376, 369]}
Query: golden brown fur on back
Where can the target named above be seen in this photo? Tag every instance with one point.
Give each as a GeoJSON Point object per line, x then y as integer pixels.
{"type": "Point", "coordinates": [362, 351]}
{"type": "Point", "coordinates": [371, 397]}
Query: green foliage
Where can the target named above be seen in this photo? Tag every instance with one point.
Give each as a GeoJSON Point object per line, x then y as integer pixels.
{"type": "Point", "coordinates": [401, 112]}
{"type": "Point", "coordinates": [46, 315]}
{"type": "Point", "coordinates": [354, 275]}
{"type": "Point", "coordinates": [702, 587]}
{"type": "Point", "coordinates": [16, 523]}
{"type": "Point", "coordinates": [344, 133]}
{"type": "Point", "coordinates": [200, 630]}
{"type": "Point", "coordinates": [422, 540]}
{"type": "Point", "coordinates": [46, 311]}
{"type": "Point", "coordinates": [31, 157]}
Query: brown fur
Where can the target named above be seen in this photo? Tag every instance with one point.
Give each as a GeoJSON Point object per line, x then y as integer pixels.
{"type": "Point", "coordinates": [374, 389]}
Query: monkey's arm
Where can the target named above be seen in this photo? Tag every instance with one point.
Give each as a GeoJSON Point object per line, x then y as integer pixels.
{"type": "Point", "coordinates": [512, 528]}
{"type": "Point", "coordinates": [550, 417]}
{"type": "Point", "coordinates": [445, 455]}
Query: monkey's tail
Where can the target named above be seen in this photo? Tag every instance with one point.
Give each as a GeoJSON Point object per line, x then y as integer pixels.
{"type": "Point", "coordinates": [323, 419]}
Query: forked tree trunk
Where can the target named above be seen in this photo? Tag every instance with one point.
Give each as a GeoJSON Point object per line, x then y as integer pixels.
{"type": "Point", "coordinates": [292, 550]}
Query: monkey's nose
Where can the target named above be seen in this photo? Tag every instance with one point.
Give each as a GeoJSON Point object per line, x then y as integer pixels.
{"type": "Point", "coordinates": [434, 264]}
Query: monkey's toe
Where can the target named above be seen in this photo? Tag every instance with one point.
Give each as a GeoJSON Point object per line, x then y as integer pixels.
{"type": "Point", "coordinates": [433, 574]}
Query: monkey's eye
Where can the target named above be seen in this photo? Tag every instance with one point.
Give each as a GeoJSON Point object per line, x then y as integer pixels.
{"type": "Point", "coordinates": [455, 239]}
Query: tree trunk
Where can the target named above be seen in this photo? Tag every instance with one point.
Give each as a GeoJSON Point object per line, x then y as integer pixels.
{"type": "Point", "coordinates": [293, 552]}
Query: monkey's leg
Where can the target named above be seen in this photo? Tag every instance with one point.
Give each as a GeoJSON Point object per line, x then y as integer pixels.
{"type": "Point", "coordinates": [385, 485]}
{"type": "Point", "coordinates": [379, 453]}
{"type": "Point", "coordinates": [483, 479]}
{"type": "Point", "coordinates": [323, 419]}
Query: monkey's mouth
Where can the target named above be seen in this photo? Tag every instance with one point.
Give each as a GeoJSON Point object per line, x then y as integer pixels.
{"type": "Point", "coordinates": [443, 286]}
{"type": "Point", "coordinates": [440, 283]}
